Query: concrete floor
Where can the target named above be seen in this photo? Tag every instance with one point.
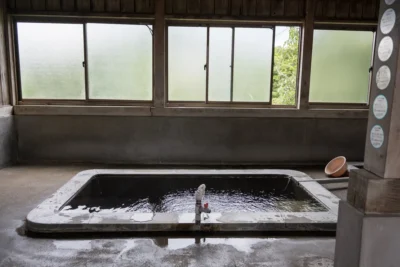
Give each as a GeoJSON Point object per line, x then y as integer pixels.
{"type": "Point", "coordinates": [24, 187]}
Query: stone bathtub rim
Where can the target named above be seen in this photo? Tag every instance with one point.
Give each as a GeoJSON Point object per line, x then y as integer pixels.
{"type": "Point", "coordinates": [47, 217]}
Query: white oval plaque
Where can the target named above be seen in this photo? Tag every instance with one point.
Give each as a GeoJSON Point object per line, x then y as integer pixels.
{"type": "Point", "coordinates": [377, 137]}
{"type": "Point", "coordinates": [385, 48]}
{"type": "Point", "coordinates": [389, 2]}
{"type": "Point", "coordinates": [387, 21]}
{"type": "Point", "coordinates": [383, 77]}
{"type": "Point", "coordinates": [380, 107]}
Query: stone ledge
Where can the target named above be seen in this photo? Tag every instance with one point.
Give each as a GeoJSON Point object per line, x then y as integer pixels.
{"type": "Point", "coordinates": [372, 194]}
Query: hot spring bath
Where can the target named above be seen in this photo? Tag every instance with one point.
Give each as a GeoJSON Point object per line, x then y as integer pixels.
{"type": "Point", "coordinates": [163, 201]}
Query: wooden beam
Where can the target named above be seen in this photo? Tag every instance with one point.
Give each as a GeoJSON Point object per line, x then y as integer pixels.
{"type": "Point", "coordinates": [373, 195]}
{"type": "Point", "coordinates": [159, 54]}
{"type": "Point", "coordinates": [306, 55]}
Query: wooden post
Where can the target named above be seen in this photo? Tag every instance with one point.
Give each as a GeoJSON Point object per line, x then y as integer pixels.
{"type": "Point", "coordinates": [159, 54]}
{"type": "Point", "coordinates": [382, 151]}
{"type": "Point", "coordinates": [306, 52]}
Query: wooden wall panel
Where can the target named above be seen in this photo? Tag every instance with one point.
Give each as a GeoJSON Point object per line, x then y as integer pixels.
{"type": "Point", "coordinates": [329, 9]}
{"type": "Point", "coordinates": [68, 5]}
{"type": "Point", "coordinates": [168, 7]}
{"type": "Point", "coordinates": [292, 8]}
{"type": "Point", "coordinates": [127, 6]}
{"type": "Point", "coordinates": [38, 5]}
{"type": "Point", "coordinates": [278, 8]}
{"type": "Point", "coordinates": [11, 4]}
{"type": "Point", "coordinates": [236, 7]}
{"type": "Point", "coordinates": [113, 5]}
{"type": "Point", "coordinates": [221, 7]}
{"type": "Point", "coordinates": [193, 7]}
{"type": "Point", "coordinates": [144, 6]}
{"type": "Point", "coordinates": [319, 8]}
{"type": "Point", "coordinates": [302, 8]}
{"type": "Point", "coordinates": [179, 6]}
{"type": "Point", "coordinates": [356, 7]}
{"type": "Point", "coordinates": [54, 5]}
{"type": "Point", "coordinates": [249, 7]}
{"type": "Point", "coordinates": [263, 8]}
{"type": "Point", "coordinates": [83, 5]}
{"type": "Point", "coordinates": [370, 9]}
{"type": "Point", "coordinates": [207, 7]}
{"type": "Point", "coordinates": [342, 9]}
{"type": "Point", "coordinates": [325, 10]}
{"type": "Point", "coordinates": [98, 5]}
{"type": "Point", "coordinates": [23, 4]}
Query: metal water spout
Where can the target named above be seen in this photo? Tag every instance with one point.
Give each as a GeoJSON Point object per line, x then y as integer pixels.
{"type": "Point", "coordinates": [200, 192]}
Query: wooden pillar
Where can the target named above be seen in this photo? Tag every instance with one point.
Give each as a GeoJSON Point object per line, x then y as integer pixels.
{"type": "Point", "coordinates": [306, 52]}
{"type": "Point", "coordinates": [367, 226]}
{"type": "Point", "coordinates": [382, 151]}
{"type": "Point", "coordinates": [159, 54]}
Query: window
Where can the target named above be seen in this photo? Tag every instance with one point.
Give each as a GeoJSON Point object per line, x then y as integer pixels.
{"type": "Point", "coordinates": [233, 64]}
{"type": "Point", "coordinates": [340, 66]}
{"type": "Point", "coordinates": [50, 57]}
{"type": "Point", "coordinates": [52, 61]}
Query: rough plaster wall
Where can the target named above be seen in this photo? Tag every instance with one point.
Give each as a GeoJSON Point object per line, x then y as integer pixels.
{"type": "Point", "coordinates": [7, 141]}
{"type": "Point", "coordinates": [188, 140]}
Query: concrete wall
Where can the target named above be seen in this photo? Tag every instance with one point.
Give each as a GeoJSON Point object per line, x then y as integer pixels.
{"type": "Point", "coordinates": [7, 140]}
{"type": "Point", "coordinates": [188, 140]}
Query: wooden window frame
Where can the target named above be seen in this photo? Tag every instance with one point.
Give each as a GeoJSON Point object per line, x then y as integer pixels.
{"type": "Point", "coordinates": [232, 25]}
{"type": "Point", "coordinates": [342, 26]}
{"type": "Point", "coordinates": [82, 21]}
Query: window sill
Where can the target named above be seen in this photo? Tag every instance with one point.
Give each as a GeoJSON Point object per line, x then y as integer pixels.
{"type": "Point", "coordinates": [188, 112]}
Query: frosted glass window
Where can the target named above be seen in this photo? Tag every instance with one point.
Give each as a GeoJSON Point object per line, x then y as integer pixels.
{"type": "Point", "coordinates": [50, 58]}
{"type": "Point", "coordinates": [187, 48]}
{"type": "Point", "coordinates": [252, 64]}
{"type": "Point", "coordinates": [120, 61]}
{"type": "Point", "coordinates": [340, 66]}
{"type": "Point", "coordinates": [220, 55]}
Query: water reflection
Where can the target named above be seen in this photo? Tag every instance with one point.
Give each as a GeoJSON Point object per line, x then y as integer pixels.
{"type": "Point", "coordinates": [241, 244]}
